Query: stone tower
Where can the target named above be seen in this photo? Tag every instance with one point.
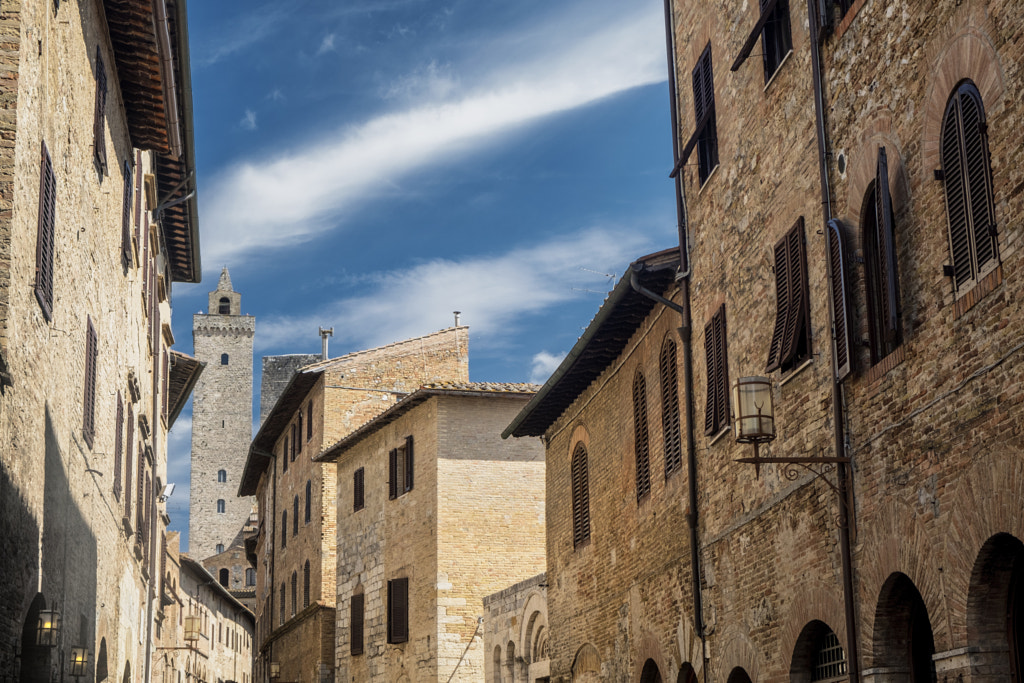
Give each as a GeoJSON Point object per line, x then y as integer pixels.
{"type": "Point", "coordinates": [221, 421]}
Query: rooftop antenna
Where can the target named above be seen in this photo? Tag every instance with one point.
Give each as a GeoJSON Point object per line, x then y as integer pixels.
{"type": "Point", "coordinates": [324, 334]}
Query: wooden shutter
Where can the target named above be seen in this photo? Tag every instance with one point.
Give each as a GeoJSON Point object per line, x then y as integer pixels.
{"type": "Point", "coordinates": [356, 611]}
{"type": "Point", "coordinates": [580, 496]}
{"type": "Point", "coordinates": [641, 442]}
{"type": "Point", "coordinates": [99, 133]}
{"type": "Point", "coordinates": [165, 393]}
{"type": "Point", "coordinates": [295, 516]}
{"type": "Point", "coordinates": [298, 441]}
{"type": "Point", "coordinates": [956, 195]}
{"type": "Point", "coordinates": [284, 456]}
{"type": "Point", "coordinates": [782, 305]}
{"type": "Point", "coordinates": [129, 461]}
{"type": "Point", "coordinates": [118, 446]}
{"type": "Point", "coordinates": [716, 410]}
{"type": "Point", "coordinates": [145, 266]}
{"type": "Point", "coordinates": [357, 489]}
{"type": "Point", "coordinates": [305, 585]}
{"type": "Point", "coordinates": [295, 592]}
{"type": "Point", "coordinates": [978, 176]}
{"type": "Point", "coordinates": [791, 319]}
{"type": "Point", "coordinates": [670, 407]}
{"type": "Point", "coordinates": [309, 501]}
{"type": "Point", "coordinates": [839, 301]}
{"type": "Point", "coordinates": [398, 610]}
{"type": "Point", "coordinates": [309, 420]}
{"type": "Point", "coordinates": [284, 528]}
{"type": "Point", "coordinates": [887, 256]}
{"type": "Point", "coordinates": [408, 463]}
{"type": "Point", "coordinates": [295, 445]}
{"type": "Point", "coordinates": [703, 108]}
{"type": "Point", "coordinates": [138, 194]}
{"type": "Point", "coordinates": [393, 474]}
{"type": "Point", "coordinates": [140, 501]}
{"type": "Point", "coordinates": [126, 217]}
{"type": "Point", "coordinates": [45, 239]}
{"type": "Point", "coordinates": [89, 399]}
{"type": "Point", "coordinates": [147, 518]}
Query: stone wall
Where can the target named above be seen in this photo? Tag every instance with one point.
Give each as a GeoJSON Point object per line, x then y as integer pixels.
{"type": "Point", "coordinates": [277, 372]}
{"type": "Point", "coordinates": [516, 632]}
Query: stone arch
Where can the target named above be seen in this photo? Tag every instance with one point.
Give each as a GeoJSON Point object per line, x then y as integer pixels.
{"type": "Point", "coordinates": [650, 673]}
{"type": "Point", "coordinates": [579, 434]}
{"type": "Point", "coordinates": [687, 674]}
{"type": "Point", "coordinates": [534, 616]}
{"type": "Point", "coordinates": [876, 131]}
{"type": "Point", "coordinates": [586, 665]}
{"type": "Point", "coordinates": [903, 640]}
{"type": "Point", "coordinates": [649, 652]}
{"type": "Point", "coordinates": [691, 649]}
{"type": "Point", "coordinates": [806, 650]}
{"type": "Point", "coordinates": [965, 50]}
{"type": "Point", "coordinates": [995, 607]}
{"type": "Point", "coordinates": [738, 654]}
{"type": "Point", "coordinates": [739, 675]}
{"type": "Point", "coordinates": [819, 603]}
{"type": "Point", "coordinates": [101, 661]}
{"type": "Point", "coordinates": [510, 661]}
{"type": "Point", "coordinates": [496, 674]}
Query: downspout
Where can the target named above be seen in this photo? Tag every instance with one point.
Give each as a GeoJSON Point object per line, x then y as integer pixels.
{"type": "Point", "coordinates": [843, 471]}
{"type": "Point", "coordinates": [273, 557]}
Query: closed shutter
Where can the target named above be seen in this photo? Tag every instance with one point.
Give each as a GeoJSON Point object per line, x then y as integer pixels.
{"type": "Point", "coordinates": [129, 461]}
{"type": "Point", "coordinates": [309, 421]}
{"type": "Point", "coordinates": [295, 516]}
{"type": "Point", "coordinates": [670, 407]}
{"type": "Point", "coordinates": [408, 463]}
{"type": "Point", "coordinates": [138, 194]}
{"type": "Point", "coordinates": [641, 444]}
{"type": "Point", "coordinates": [887, 257]}
{"type": "Point", "coordinates": [398, 610]}
{"type": "Point", "coordinates": [140, 500]}
{"type": "Point", "coordinates": [118, 446]}
{"type": "Point", "coordinates": [791, 334]}
{"type": "Point", "coordinates": [298, 444]}
{"type": "Point", "coordinates": [99, 132]}
{"type": "Point", "coordinates": [126, 217]}
{"type": "Point", "coordinates": [356, 624]}
{"type": "Point", "coordinates": [979, 178]}
{"type": "Point", "coordinates": [716, 410]}
{"type": "Point", "coordinates": [295, 444]}
{"type": "Point", "coordinates": [284, 528]}
{"type": "Point", "coordinates": [145, 266]}
{"type": "Point", "coordinates": [305, 585]}
{"type": "Point", "coordinates": [45, 239]}
{"type": "Point", "coordinates": [357, 489]}
{"type": "Point", "coordinates": [309, 501]}
{"type": "Point", "coordinates": [580, 496]}
{"type": "Point", "coordinates": [89, 399]}
{"type": "Point", "coordinates": [166, 382]}
{"type": "Point", "coordinates": [147, 518]}
{"type": "Point", "coordinates": [956, 196]}
{"type": "Point", "coordinates": [839, 299]}
{"type": "Point", "coordinates": [393, 474]}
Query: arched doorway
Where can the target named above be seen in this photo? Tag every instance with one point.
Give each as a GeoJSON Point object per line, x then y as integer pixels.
{"type": "Point", "coordinates": [650, 673]}
{"type": "Point", "coordinates": [686, 674]}
{"type": "Point", "coordinates": [903, 633]}
{"type": "Point", "coordinates": [739, 675]}
{"type": "Point", "coordinates": [818, 656]}
{"type": "Point", "coordinates": [35, 659]}
{"type": "Point", "coordinates": [995, 607]}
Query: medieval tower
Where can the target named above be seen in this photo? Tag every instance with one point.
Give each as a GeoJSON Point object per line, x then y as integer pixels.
{"type": "Point", "coordinates": [221, 421]}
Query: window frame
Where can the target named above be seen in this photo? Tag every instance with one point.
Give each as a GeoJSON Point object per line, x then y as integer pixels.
{"type": "Point", "coordinates": [221, 506]}
{"type": "Point", "coordinates": [398, 611]}
{"type": "Point", "coordinates": [89, 396]}
{"type": "Point", "coordinates": [357, 618]}
{"type": "Point", "coordinates": [400, 469]}
{"type": "Point", "coordinates": [776, 38]}
{"type": "Point", "coordinates": [358, 489]}
{"type": "Point", "coordinates": [706, 135]}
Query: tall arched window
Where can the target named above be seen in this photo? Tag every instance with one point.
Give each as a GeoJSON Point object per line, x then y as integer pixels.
{"type": "Point", "coordinates": [220, 505]}
{"type": "Point", "coordinates": [670, 407]}
{"type": "Point", "coordinates": [282, 602]}
{"type": "Point", "coordinates": [295, 516]}
{"type": "Point", "coordinates": [641, 442]}
{"type": "Point", "coordinates": [967, 180]}
{"type": "Point", "coordinates": [305, 585]}
{"type": "Point", "coordinates": [295, 591]}
{"type": "Point", "coordinates": [309, 495]}
{"type": "Point", "coordinates": [224, 359]}
{"type": "Point", "coordinates": [284, 528]}
{"type": "Point", "coordinates": [222, 476]}
{"type": "Point", "coordinates": [224, 306]}
{"type": "Point", "coordinates": [881, 283]}
{"type": "Point", "coordinates": [580, 496]}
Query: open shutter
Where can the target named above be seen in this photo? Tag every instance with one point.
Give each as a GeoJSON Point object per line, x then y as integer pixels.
{"type": "Point", "coordinates": [887, 245]}
{"type": "Point", "coordinates": [783, 305]}
{"type": "Point", "coordinates": [99, 132]}
{"type": "Point", "coordinates": [356, 625]}
{"type": "Point", "coordinates": [408, 463]}
{"type": "Point", "coordinates": [398, 610]}
{"type": "Point", "coordinates": [138, 193]}
{"type": "Point", "coordinates": [711, 364]}
{"type": "Point", "coordinates": [118, 446]}
{"type": "Point", "coordinates": [721, 394]}
{"type": "Point", "coordinates": [45, 234]}
{"type": "Point", "coordinates": [129, 461]}
{"type": "Point", "coordinates": [979, 178]}
{"type": "Point", "coordinates": [839, 300]}
{"type": "Point", "coordinates": [797, 318]}
{"type": "Point", "coordinates": [393, 474]}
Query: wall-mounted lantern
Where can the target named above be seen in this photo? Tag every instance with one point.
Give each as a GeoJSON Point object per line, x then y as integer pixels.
{"type": "Point", "coordinates": [753, 413]}
{"type": "Point", "coordinates": [48, 629]}
{"type": "Point", "coordinates": [275, 670]}
{"type": "Point", "coordinates": [79, 659]}
{"type": "Point", "coordinates": [193, 627]}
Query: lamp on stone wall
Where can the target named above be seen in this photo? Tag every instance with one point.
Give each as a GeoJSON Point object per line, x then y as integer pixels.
{"type": "Point", "coordinates": [48, 628]}
{"type": "Point", "coordinates": [754, 414]}
{"type": "Point", "coordinates": [193, 626]}
{"type": "Point", "coordinates": [79, 658]}
{"type": "Point", "coordinates": [275, 670]}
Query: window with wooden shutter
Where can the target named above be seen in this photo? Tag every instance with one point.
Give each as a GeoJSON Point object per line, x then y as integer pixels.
{"type": "Point", "coordinates": [670, 407]}
{"type": "Point", "coordinates": [772, 28]}
{"type": "Point", "coordinates": [305, 585]}
{"type": "Point", "coordinates": [295, 516]}
{"type": "Point", "coordinates": [118, 446]}
{"type": "Point", "coordinates": [580, 496]}
{"type": "Point", "coordinates": [716, 409]}
{"type": "Point", "coordinates": [295, 592]}
{"type": "Point", "coordinates": [355, 630]}
{"type": "Point", "coordinates": [358, 489]}
{"type": "Point", "coordinates": [99, 128]}
{"type": "Point", "coordinates": [641, 442]}
{"type": "Point", "coordinates": [138, 195]}
{"type": "Point", "coordinates": [393, 474]}
{"type": "Point", "coordinates": [791, 337]}
{"type": "Point", "coordinates": [309, 420]}
{"type": "Point", "coordinates": [165, 392]}
{"type": "Point", "coordinates": [398, 610]}
{"type": "Point", "coordinates": [309, 501]}
{"type": "Point", "coordinates": [140, 503]}
{"type": "Point", "coordinates": [284, 456]}
{"type": "Point", "coordinates": [282, 602]}
{"type": "Point", "coordinates": [298, 441]}
{"type": "Point", "coordinates": [704, 113]}
{"type": "Point", "coordinates": [129, 460]}
{"type": "Point", "coordinates": [408, 479]}
{"type": "Point", "coordinates": [89, 399]}
{"type": "Point", "coordinates": [295, 444]}
{"type": "Point", "coordinates": [967, 179]}
{"type": "Point", "coordinates": [284, 529]}
{"type": "Point", "coordinates": [45, 238]}
{"type": "Point", "coordinates": [885, 331]}
{"type": "Point", "coordinates": [839, 300]}
{"type": "Point", "coordinates": [126, 217]}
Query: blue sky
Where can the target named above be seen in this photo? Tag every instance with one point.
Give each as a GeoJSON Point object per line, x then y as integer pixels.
{"type": "Point", "coordinates": [374, 165]}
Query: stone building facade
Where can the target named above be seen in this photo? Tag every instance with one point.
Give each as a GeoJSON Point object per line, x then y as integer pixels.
{"type": "Point", "coordinates": [435, 512]}
{"type": "Point", "coordinates": [516, 633]}
{"type": "Point", "coordinates": [220, 649]}
{"type": "Point", "coordinates": [231, 568]}
{"type": "Point", "coordinates": [95, 107]}
{"type": "Point", "coordinates": [221, 424]}
{"type": "Point", "coordinates": [899, 351]}
{"type": "Point", "coordinates": [293, 551]}
{"type": "Point", "coordinates": [277, 372]}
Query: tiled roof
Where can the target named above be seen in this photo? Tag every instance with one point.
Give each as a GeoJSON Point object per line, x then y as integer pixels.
{"type": "Point", "coordinates": [489, 387]}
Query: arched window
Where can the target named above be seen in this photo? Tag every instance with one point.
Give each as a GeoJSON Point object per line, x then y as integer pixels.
{"type": "Point", "coordinates": [284, 528]}
{"type": "Point", "coordinates": [497, 664]}
{"type": "Point", "coordinates": [224, 359]}
{"type": "Point", "coordinates": [670, 407]}
{"type": "Point", "coordinates": [641, 442]}
{"type": "Point", "coordinates": [222, 476]}
{"type": "Point", "coordinates": [220, 505]}
{"type": "Point", "coordinates": [220, 548]}
{"type": "Point", "coordinates": [295, 590]}
{"type": "Point", "coordinates": [881, 283]}
{"type": "Point", "coordinates": [510, 661]}
{"type": "Point", "coordinates": [250, 576]}
{"type": "Point", "coordinates": [295, 516]}
{"type": "Point", "coordinates": [818, 655]}
{"type": "Point", "coordinates": [903, 632]}
{"type": "Point", "coordinates": [580, 496]}
{"type": "Point", "coordinates": [282, 602]}
{"type": "Point", "coordinates": [967, 180]}
{"type": "Point", "coordinates": [224, 306]}
{"type": "Point", "coordinates": [305, 585]}
{"type": "Point", "coordinates": [309, 495]}
{"type": "Point", "coordinates": [225, 577]}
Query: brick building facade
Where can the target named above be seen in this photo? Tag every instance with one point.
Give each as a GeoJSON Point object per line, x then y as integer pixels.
{"type": "Point", "coordinates": [293, 551]}
{"type": "Point", "coordinates": [861, 253]}
{"type": "Point", "coordinates": [96, 224]}
{"type": "Point", "coordinates": [435, 512]}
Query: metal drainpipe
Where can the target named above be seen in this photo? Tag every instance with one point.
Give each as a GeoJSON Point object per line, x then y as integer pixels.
{"type": "Point", "coordinates": [843, 470]}
{"type": "Point", "coordinates": [273, 556]}
{"type": "Point", "coordinates": [685, 337]}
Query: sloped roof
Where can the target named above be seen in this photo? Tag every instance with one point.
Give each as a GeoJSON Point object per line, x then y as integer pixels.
{"type": "Point", "coordinates": [621, 314]}
{"type": "Point", "coordinates": [207, 579]}
{"type": "Point", "coordinates": [427, 391]}
{"type": "Point", "coordinates": [184, 373]}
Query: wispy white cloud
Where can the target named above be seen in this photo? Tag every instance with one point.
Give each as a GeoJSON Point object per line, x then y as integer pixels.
{"type": "Point", "coordinates": [544, 364]}
{"type": "Point", "coordinates": [493, 292]}
{"type": "Point", "coordinates": [432, 82]}
{"type": "Point", "coordinates": [327, 44]}
{"type": "Point", "coordinates": [275, 95]}
{"type": "Point", "coordinates": [252, 27]}
{"type": "Point", "coordinates": [248, 121]}
{"type": "Point", "coordinates": [266, 203]}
